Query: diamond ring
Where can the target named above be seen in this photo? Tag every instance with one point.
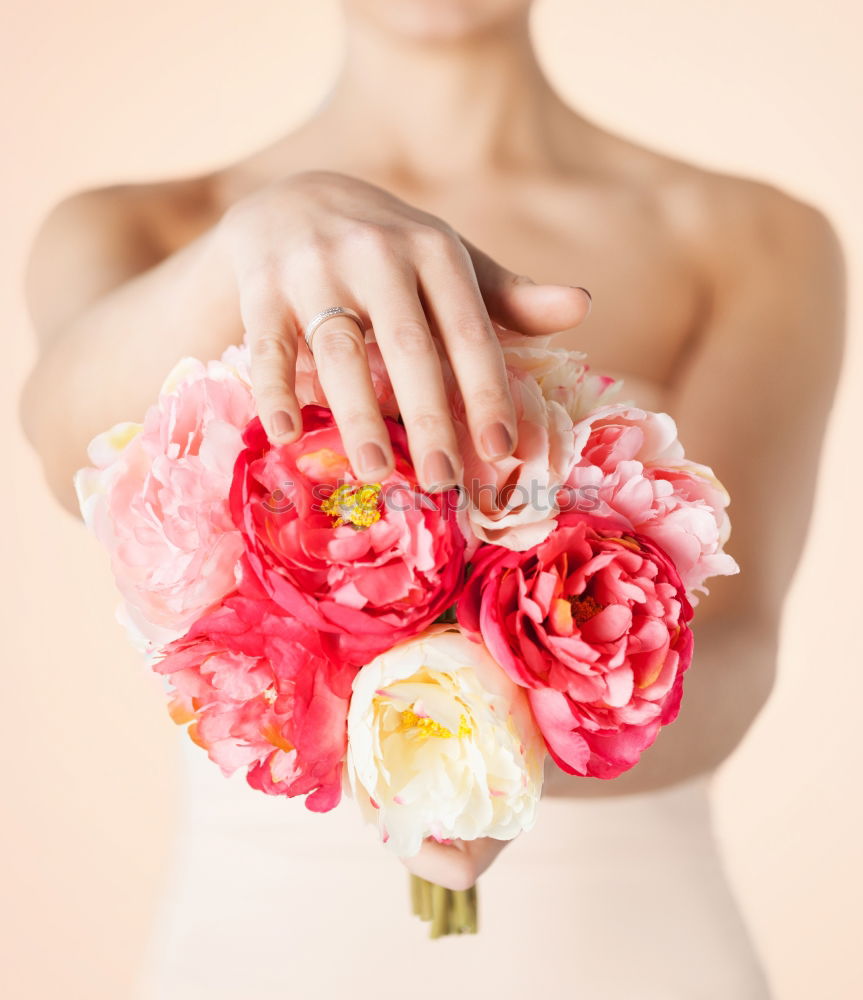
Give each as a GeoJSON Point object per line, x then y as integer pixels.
{"type": "Point", "coordinates": [326, 314]}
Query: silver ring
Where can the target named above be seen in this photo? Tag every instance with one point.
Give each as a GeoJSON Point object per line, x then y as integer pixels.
{"type": "Point", "coordinates": [326, 314]}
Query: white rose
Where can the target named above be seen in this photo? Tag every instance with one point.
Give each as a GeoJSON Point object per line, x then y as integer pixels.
{"type": "Point", "coordinates": [442, 744]}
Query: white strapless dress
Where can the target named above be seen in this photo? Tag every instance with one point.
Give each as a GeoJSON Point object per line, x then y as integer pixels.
{"type": "Point", "coordinates": [612, 899]}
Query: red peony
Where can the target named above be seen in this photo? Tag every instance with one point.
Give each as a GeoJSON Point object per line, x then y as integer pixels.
{"type": "Point", "coordinates": [369, 564]}
{"type": "Point", "coordinates": [262, 692]}
{"type": "Point", "coordinates": [593, 622]}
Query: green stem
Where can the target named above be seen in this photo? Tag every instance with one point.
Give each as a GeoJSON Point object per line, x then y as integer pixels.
{"type": "Point", "coordinates": [449, 911]}
{"type": "Point", "coordinates": [425, 900]}
{"type": "Point", "coordinates": [416, 894]}
{"type": "Point", "coordinates": [440, 911]}
{"type": "Point", "coordinates": [473, 914]}
{"type": "Point", "coordinates": [460, 911]}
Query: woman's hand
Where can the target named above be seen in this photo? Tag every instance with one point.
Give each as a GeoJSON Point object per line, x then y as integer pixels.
{"type": "Point", "coordinates": [316, 240]}
{"type": "Point", "coordinates": [454, 864]}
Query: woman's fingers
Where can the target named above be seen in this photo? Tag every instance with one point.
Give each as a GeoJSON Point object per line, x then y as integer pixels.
{"type": "Point", "coordinates": [272, 341]}
{"type": "Point", "coordinates": [414, 368]}
{"type": "Point", "coordinates": [448, 865]}
{"type": "Point", "coordinates": [456, 864]}
{"type": "Point", "coordinates": [339, 350]}
{"type": "Point", "coordinates": [445, 288]}
{"type": "Point", "coordinates": [517, 303]}
{"type": "Point", "coordinates": [455, 303]}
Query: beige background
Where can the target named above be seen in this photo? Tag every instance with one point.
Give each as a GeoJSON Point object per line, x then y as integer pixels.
{"type": "Point", "coordinates": [100, 91]}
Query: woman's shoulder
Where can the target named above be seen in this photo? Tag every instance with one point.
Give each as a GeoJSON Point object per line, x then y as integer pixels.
{"type": "Point", "coordinates": [91, 240]}
{"type": "Point", "coordinates": [733, 219]}
{"type": "Point", "coordinates": [723, 218]}
{"type": "Point", "coordinates": [174, 211]}
{"type": "Point", "coordinates": [160, 214]}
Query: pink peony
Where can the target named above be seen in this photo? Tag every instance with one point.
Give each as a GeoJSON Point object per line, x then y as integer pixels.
{"type": "Point", "coordinates": [691, 525]}
{"type": "Point", "coordinates": [157, 498]}
{"type": "Point", "coordinates": [622, 432]}
{"type": "Point", "coordinates": [261, 693]}
{"type": "Point", "coordinates": [631, 468]}
{"type": "Point", "coordinates": [512, 501]}
{"type": "Point", "coordinates": [593, 622]}
{"type": "Point", "coordinates": [370, 564]}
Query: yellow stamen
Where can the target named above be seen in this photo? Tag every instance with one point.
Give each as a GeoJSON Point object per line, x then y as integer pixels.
{"type": "Point", "coordinates": [355, 505]}
{"type": "Point", "coordinates": [463, 728]}
{"type": "Point", "coordinates": [426, 726]}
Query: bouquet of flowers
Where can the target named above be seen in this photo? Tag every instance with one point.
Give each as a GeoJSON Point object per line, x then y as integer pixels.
{"type": "Point", "coordinates": [418, 653]}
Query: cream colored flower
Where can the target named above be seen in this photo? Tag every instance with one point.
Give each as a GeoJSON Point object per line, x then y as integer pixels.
{"type": "Point", "coordinates": [562, 375]}
{"type": "Point", "coordinates": [442, 744]}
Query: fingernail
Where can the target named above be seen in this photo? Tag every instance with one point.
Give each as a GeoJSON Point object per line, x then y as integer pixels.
{"type": "Point", "coordinates": [581, 288]}
{"type": "Point", "coordinates": [438, 470]}
{"type": "Point", "coordinates": [496, 441]}
{"type": "Point", "coordinates": [371, 457]}
{"type": "Point", "coordinates": [282, 423]}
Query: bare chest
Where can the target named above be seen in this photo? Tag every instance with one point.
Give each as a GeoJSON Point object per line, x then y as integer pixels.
{"type": "Point", "coordinates": [646, 290]}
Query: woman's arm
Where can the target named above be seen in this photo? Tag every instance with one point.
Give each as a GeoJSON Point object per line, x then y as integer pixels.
{"type": "Point", "coordinates": [112, 317]}
{"type": "Point", "coordinates": [752, 400]}
{"type": "Point", "coordinates": [113, 322]}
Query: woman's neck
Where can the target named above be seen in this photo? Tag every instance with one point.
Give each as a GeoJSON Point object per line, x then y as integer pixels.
{"type": "Point", "coordinates": [431, 111]}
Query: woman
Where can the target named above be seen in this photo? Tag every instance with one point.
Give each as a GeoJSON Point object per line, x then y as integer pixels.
{"type": "Point", "coordinates": [441, 151]}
